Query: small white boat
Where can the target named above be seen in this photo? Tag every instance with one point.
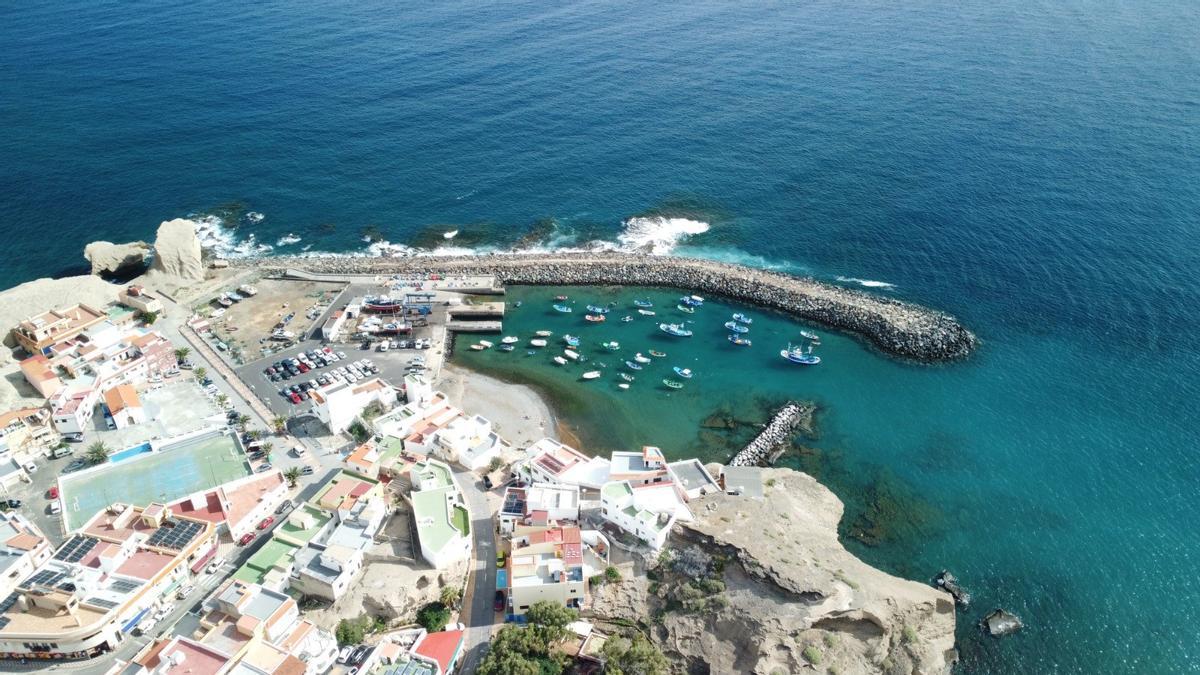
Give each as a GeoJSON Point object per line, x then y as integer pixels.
{"type": "Point", "coordinates": [537, 342]}
{"type": "Point", "coordinates": [510, 340]}
{"type": "Point", "coordinates": [646, 312]}
{"type": "Point", "coordinates": [623, 385]}
{"type": "Point", "coordinates": [478, 347]}
{"type": "Point", "coordinates": [560, 360]}
{"type": "Point", "coordinates": [641, 359]}
{"type": "Point", "coordinates": [544, 333]}
{"type": "Point", "coordinates": [571, 354]}
{"type": "Point", "coordinates": [486, 344]}
{"type": "Point", "coordinates": [450, 235]}
{"type": "Point", "coordinates": [591, 375]}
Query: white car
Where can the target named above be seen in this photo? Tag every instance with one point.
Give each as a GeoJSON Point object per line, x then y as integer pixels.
{"type": "Point", "coordinates": [214, 565]}
{"type": "Point", "coordinates": [146, 627]}
{"type": "Point", "coordinates": [345, 654]}
{"type": "Point", "coordinates": [163, 612]}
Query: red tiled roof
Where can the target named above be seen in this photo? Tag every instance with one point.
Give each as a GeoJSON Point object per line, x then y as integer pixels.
{"type": "Point", "coordinates": [441, 647]}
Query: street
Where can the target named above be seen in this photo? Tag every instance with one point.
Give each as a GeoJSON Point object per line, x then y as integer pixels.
{"type": "Point", "coordinates": [481, 587]}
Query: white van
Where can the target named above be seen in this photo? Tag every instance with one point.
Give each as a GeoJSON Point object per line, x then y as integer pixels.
{"type": "Point", "coordinates": [55, 508]}
{"type": "Point", "coordinates": [298, 451]}
{"type": "Point", "coordinates": [30, 467]}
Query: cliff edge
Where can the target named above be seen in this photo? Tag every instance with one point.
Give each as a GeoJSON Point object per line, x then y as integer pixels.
{"type": "Point", "coordinates": [764, 586]}
{"type": "Point", "coordinates": [178, 258]}
{"type": "Point", "coordinates": [107, 257]}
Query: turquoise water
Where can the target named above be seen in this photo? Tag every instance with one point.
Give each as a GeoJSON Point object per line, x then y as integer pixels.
{"type": "Point", "coordinates": [129, 452]}
{"type": "Point", "coordinates": [1033, 168]}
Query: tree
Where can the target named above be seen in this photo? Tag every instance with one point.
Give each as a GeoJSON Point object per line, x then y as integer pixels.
{"type": "Point", "coordinates": [358, 432]}
{"type": "Point", "coordinates": [222, 399]}
{"type": "Point", "coordinates": [280, 424]}
{"type": "Point", "coordinates": [531, 650]}
{"type": "Point", "coordinates": [633, 655]}
{"type": "Point", "coordinates": [243, 420]}
{"type": "Point", "coordinates": [200, 373]}
{"type": "Point", "coordinates": [255, 434]}
{"type": "Point", "coordinates": [612, 574]}
{"type": "Point", "coordinates": [292, 475]}
{"type": "Point", "coordinates": [181, 354]}
{"type": "Point", "coordinates": [434, 616]}
{"type": "Point", "coordinates": [147, 318]}
{"type": "Point", "coordinates": [548, 621]}
{"type": "Point", "coordinates": [352, 631]}
{"type": "Point", "coordinates": [450, 596]}
{"type": "Point", "coordinates": [267, 448]}
{"type": "Point", "coordinates": [97, 453]}
{"type": "Point", "coordinates": [495, 464]}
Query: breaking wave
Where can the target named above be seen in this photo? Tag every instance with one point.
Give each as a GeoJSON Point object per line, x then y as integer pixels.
{"type": "Point", "coordinates": [658, 235]}
{"type": "Point", "coordinates": [866, 282]}
{"type": "Point", "coordinates": [216, 237]}
{"type": "Point", "coordinates": [288, 239]}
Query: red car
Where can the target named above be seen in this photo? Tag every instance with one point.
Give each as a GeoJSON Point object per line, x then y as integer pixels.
{"type": "Point", "coordinates": [303, 368]}
{"type": "Point", "coordinates": [53, 493]}
{"type": "Point", "coordinates": [246, 539]}
{"type": "Point", "coordinates": [295, 397]}
{"type": "Point", "coordinates": [266, 522]}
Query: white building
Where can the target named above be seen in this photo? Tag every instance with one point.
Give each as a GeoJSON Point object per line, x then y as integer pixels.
{"type": "Point", "coordinates": [71, 409]}
{"type": "Point", "coordinates": [418, 389]}
{"type": "Point", "coordinates": [23, 548]}
{"type": "Point", "coordinates": [237, 507]}
{"type": "Point", "coordinates": [692, 478]}
{"type": "Point", "coordinates": [647, 511]}
{"type": "Point", "coordinates": [337, 405]}
{"type": "Point", "coordinates": [330, 562]}
{"type": "Point", "coordinates": [552, 563]}
{"type": "Point", "coordinates": [538, 504]}
{"type": "Point", "coordinates": [639, 468]}
{"type": "Point", "coordinates": [123, 406]}
{"type": "Point", "coordinates": [436, 428]}
{"type": "Point", "coordinates": [549, 461]}
{"type": "Point", "coordinates": [443, 521]}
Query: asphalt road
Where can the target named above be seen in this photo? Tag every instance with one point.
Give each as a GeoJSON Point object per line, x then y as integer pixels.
{"type": "Point", "coordinates": [481, 587]}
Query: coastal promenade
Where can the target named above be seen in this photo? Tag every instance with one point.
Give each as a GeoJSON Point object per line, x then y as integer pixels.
{"type": "Point", "coordinates": [898, 328]}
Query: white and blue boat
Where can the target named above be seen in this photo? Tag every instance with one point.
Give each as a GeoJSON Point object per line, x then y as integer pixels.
{"type": "Point", "coordinates": [597, 309]}
{"type": "Point", "coordinates": [739, 340]}
{"type": "Point", "coordinates": [810, 335]}
{"type": "Point", "coordinates": [633, 366]}
{"type": "Point", "coordinates": [642, 303]}
{"type": "Point", "coordinates": [685, 373]}
{"type": "Point", "coordinates": [565, 309]}
{"type": "Point", "coordinates": [611, 346]}
{"type": "Point", "coordinates": [736, 327]}
{"type": "Point", "coordinates": [691, 300]}
{"type": "Point", "coordinates": [640, 358]}
{"type": "Point", "coordinates": [674, 329]}
{"type": "Point", "coordinates": [571, 340]}
{"type": "Point", "coordinates": [686, 308]}
{"type": "Point", "coordinates": [799, 355]}
{"type": "Point", "coordinates": [742, 318]}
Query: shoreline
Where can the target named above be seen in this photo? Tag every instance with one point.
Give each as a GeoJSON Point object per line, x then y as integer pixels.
{"type": "Point", "coordinates": [895, 327]}
{"type": "Point", "coordinates": [517, 411]}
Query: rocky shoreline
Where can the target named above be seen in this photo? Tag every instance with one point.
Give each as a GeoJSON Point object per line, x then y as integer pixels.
{"type": "Point", "coordinates": [898, 328]}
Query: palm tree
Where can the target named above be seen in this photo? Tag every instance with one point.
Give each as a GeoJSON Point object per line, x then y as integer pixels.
{"type": "Point", "coordinates": [222, 399]}
{"type": "Point", "coordinates": [450, 596]}
{"type": "Point", "coordinates": [243, 420]}
{"type": "Point", "coordinates": [292, 475]}
{"type": "Point", "coordinates": [280, 423]}
{"type": "Point", "coordinates": [181, 353]}
{"type": "Point", "coordinates": [200, 372]}
{"type": "Point", "coordinates": [255, 434]}
{"type": "Point", "coordinates": [267, 447]}
{"type": "Point", "coordinates": [97, 453]}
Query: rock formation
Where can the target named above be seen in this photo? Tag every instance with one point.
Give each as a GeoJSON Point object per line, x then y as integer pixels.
{"type": "Point", "coordinates": [107, 257]}
{"type": "Point", "coordinates": [765, 586]}
{"type": "Point", "coordinates": [177, 254]}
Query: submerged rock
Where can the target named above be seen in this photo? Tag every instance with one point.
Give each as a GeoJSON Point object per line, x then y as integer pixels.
{"type": "Point", "coordinates": [1001, 622]}
{"type": "Point", "coordinates": [109, 258]}
{"type": "Point", "coordinates": [948, 582]}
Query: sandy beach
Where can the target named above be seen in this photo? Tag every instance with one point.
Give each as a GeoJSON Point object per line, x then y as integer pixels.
{"type": "Point", "coordinates": [517, 412]}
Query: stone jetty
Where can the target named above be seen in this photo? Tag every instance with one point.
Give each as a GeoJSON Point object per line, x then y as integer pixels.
{"type": "Point", "coordinates": [896, 327]}
{"type": "Point", "coordinates": [777, 432]}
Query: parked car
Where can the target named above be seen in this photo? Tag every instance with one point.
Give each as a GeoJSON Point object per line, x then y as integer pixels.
{"type": "Point", "coordinates": [499, 602]}
{"type": "Point", "coordinates": [75, 465]}
{"type": "Point", "coordinates": [12, 503]}
{"type": "Point", "coordinates": [73, 438]}
{"type": "Point", "coordinates": [246, 539]}
{"type": "Point", "coordinates": [284, 507]}
{"type": "Point", "coordinates": [345, 653]}
{"type": "Point", "coordinates": [52, 493]}
{"type": "Point", "coordinates": [295, 397]}
{"type": "Point", "coordinates": [214, 565]}
{"type": "Point", "coordinates": [146, 627]}
{"type": "Point", "coordinates": [306, 471]}
{"type": "Point", "coordinates": [266, 522]}
{"type": "Point", "coordinates": [263, 468]}
{"type": "Point", "coordinates": [185, 591]}
{"type": "Point", "coordinates": [359, 654]}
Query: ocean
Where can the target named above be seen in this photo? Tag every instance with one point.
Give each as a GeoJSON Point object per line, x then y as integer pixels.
{"type": "Point", "coordinates": [1031, 167]}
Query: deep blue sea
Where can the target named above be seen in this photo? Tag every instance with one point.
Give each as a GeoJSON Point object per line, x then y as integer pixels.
{"type": "Point", "coordinates": [1032, 167]}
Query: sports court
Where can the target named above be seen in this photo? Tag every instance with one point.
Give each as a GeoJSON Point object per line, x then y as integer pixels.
{"type": "Point", "coordinates": [173, 471]}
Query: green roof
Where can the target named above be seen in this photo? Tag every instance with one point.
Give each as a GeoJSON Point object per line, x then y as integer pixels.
{"type": "Point", "coordinates": [270, 555]}
{"type": "Point", "coordinates": [616, 489]}
{"type": "Point", "coordinates": [436, 470]}
{"type": "Point", "coordinates": [302, 534]}
{"type": "Point", "coordinates": [437, 521]}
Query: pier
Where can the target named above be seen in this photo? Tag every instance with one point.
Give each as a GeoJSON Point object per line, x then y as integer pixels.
{"type": "Point", "coordinates": [898, 328]}
{"type": "Point", "coordinates": [761, 450]}
{"type": "Point", "coordinates": [486, 309]}
{"type": "Point", "coordinates": [474, 326]}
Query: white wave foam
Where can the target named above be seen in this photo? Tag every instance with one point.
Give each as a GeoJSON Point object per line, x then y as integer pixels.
{"type": "Point", "coordinates": [224, 242]}
{"type": "Point", "coordinates": [254, 217]}
{"type": "Point", "coordinates": [659, 234]}
{"type": "Point", "coordinates": [866, 282]}
{"type": "Point", "coordinates": [288, 239]}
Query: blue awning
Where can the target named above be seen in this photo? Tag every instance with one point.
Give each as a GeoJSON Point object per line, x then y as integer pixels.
{"type": "Point", "coordinates": [132, 623]}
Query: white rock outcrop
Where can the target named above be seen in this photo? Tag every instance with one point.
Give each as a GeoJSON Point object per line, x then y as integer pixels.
{"type": "Point", "coordinates": [177, 253]}
{"type": "Point", "coordinates": [106, 256]}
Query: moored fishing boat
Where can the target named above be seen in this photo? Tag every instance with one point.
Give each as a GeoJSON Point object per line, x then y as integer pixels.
{"type": "Point", "coordinates": [685, 373]}
{"type": "Point", "coordinates": [674, 329]}
{"type": "Point", "coordinates": [538, 342]}
{"type": "Point", "coordinates": [797, 354]}
{"type": "Point", "coordinates": [382, 304]}
{"type": "Point", "coordinates": [571, 354]}
{"type": "Point", "coordinates": [673, 384]}
{"type": "Point", "coordinates": [597, 309]}
{"type": "Point", "coordinates": [560, 298]}
{"type": "Point", "coordinates": [736, 327]}
{"type": "Point", "coordinates": [633, 366]}
{"type": "Point", "coordinates": [611, 346]}
{"type": "Point", "coordinates": [626, 319]}
{"type": "Point", "coordinates": [486, 344]}
{"type": "Point", "coordinates": [691, 300]}
{"type": "Point", "coordinates": [627, 377]}
{"type": "Point", "coordinates": [646, 312]}
{"type": "Point", "coordinates": [565, 309]}
{"type": "Point", "coordinates": [742, 318]}
{"type": "Point", "coordinates": [560, 360]}
{"type": "Point", "coordinates": [544, 333]}
{"type": "Point", "coordinates": [591, 375]}
{"type": "Point", "coordinates": [658, 354]}
{"type": "Point", "coordinates": [509, 340]}
{"type": "Point", "coordinates": [623, 385]}
{"type": "Point", "coordinates": [641, 359]}
{"type": "Point", "coordinates": [595, 318]}
{"type": "Point", "coordinates": [642, 303]}
{"type": "Point", "coordinates": [810, 335]}
{"type": "Point", "coordinates": [571, 340]}
{"type": "Point", "coordinates": [506, 348]}
{"type": "Point", "coordinates": [478, 347]}
{"type": "Point", "coordinates": [739, 340]}
{"type": "Point", "coordinates": [686, 308]}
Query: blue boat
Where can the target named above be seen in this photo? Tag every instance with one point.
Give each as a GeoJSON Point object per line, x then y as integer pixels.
{"type": "Point", "coordinates": [563, 308]}
{"type": "Point", "coordinates": [736, 327]}
{"type": "Point", "coordinates": [674, 329]}
{"type": "Point", "coordinates": [739, 340]}
{"type": "Point", "coordinates": [596, 309]}
{"type": "Point", "coordinates": [685, 373]}
{"type": "Point", "coordinates": [642, 303]}
{"type": "Point", "coordinates": [633, 366]}
{"type": "Point", "coordinates": [742, 318]}
{"type": "Point", "coordinates": [798, 355]}
{"type": "Point", "coordinates": [691, 300]}
{"type": "Point", "coordinates": [611, 346]}
{"type": "Point", "coordinates": [571, 340]}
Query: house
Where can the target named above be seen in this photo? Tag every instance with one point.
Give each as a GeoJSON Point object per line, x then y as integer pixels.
{"type": "Point", "coordinates": [414, 651]}
{"type": "Point", "coordinates": [101, 583]}
{"type": "Point", "coordinates": [237, 507]}
{"type": "Point", "coordinates": [442, 519]}
{"type": "Point", "coordinates": [40, 374]}
{"type": "Point", "coordinates": [333, 325]}
{"type": "Point", "coordinates": [101, 357]}
{"type": "Point", "coordinates": [417, 388]}
{"type": "Point", "coordinates": [71, 410]}
{"type": "Point", "coordinates": [548, 461]}
{"type": "Point", "coordinates": [639, 468]}
{"type": "Point", "coordinates": [40, 332]}
{"type": "Point", "coordinates": [550, 562]}
{"type": "Point", "coordinates": [338, 404]}
{"type": "Point", "coordinates": [330, 561]}
{"type": "Point", "coordinates": [538, 504]}
{"type": "Point", "coordinates": [742, 480]}
{"type": "Point", "coordinates": [25, 432]}
{"type": "Point", "coordinates": [23, 548]}
{"type": "Point", "coordinates": [691, 476]}
{"type": "Point", "coordinates": [434, 427]}
{"type": "Point", "coordinates": [123, 406]}
{"type": "Point", "coordinates": [140, 299]}
{"type": "Point", "coordinates": [646, 511]}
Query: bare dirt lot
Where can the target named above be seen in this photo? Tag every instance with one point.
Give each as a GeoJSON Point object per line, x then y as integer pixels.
{"type": "Point", "coordinates": [251, 320]}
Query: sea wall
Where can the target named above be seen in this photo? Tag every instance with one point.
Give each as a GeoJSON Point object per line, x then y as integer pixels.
{"type": "Point", "coordinates": [898, 328]}
{"type": "Point", "coordinates": [777, 431]}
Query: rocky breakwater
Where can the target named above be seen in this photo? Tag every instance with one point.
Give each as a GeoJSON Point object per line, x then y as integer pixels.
{"type": "Point", "coordinates": [764, 586]}
{"type": "Point", "coordinates": [899, 328]}
{"type": "Point", "coordinates": [777, 432]}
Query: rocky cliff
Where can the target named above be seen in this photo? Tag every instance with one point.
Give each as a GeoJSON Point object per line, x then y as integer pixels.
{"type": "Point", "coordinates": [177, 253]}
{"type": "Point", "coordinates": [107, 257]}
{"type": "Point", "coordinates": [764, 586]}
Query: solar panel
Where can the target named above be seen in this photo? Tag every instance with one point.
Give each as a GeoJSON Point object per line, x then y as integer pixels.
{"type": "Point", "coordinates": [75, 548]}
{"type": "Point", "coordinates": [7, 603]}
{"type": "Point", "coordinates": [4, 621]}
{"type": "Point", "coordinates": [174, 534]}
{"type": "Point", "coordinates": [124, 586]}
{"type": "Point", "coordinates": [101, 602]}
{"type": "Point", "coordinates": [45, 578]}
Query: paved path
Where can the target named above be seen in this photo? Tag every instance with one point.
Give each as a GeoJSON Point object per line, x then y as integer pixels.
{"type": "Point", "coordinates": [481, 585]}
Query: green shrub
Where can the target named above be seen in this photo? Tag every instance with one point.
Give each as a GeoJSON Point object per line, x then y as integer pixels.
{"type": "Point", "coordinates": [612, 574]}
{"type": "Point", "coordinates": [712, 586]}
{"type": "Point", "coordinates": [596, 580]}
{"type": "Point", "coordinates": [352, 631]}
{"type": "Point", "coordinates": [909, 635]}
{"type": "Point", "coordinates": [812, 655]}
{"type": "Point", "coordinates": [433, 617]}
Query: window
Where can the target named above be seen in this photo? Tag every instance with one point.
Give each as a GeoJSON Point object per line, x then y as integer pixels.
{"type": "Point", "coordinates": [523, 607]}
